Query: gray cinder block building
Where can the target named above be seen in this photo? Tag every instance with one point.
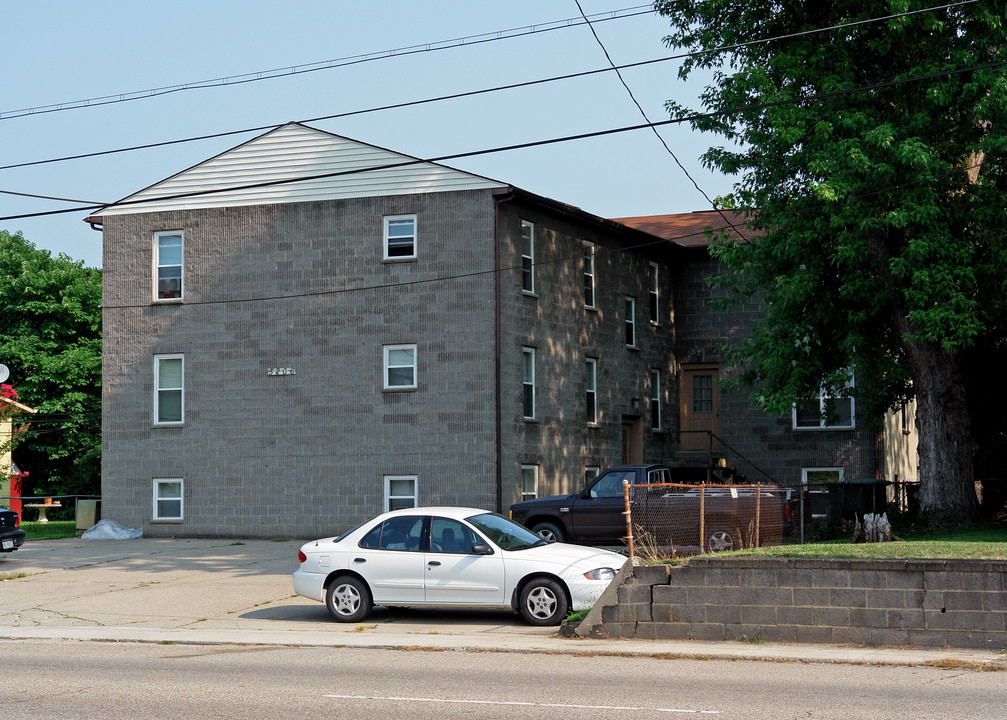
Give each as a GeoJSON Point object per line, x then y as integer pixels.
{"type": "Point", "coordinates": [305, 330]}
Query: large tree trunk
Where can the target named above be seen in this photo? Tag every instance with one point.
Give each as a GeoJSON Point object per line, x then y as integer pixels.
{"type": "Point", "coordinates": [947, 483]}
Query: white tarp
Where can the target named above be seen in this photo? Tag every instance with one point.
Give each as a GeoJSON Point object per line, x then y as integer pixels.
{"type": "Point", "coordinates": [111, 530]}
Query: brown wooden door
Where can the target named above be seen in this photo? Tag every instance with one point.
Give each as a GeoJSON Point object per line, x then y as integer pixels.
{"type": "Point", "coordinates": [632, 440]}
{"type": "Point", "coordinates": [700, 405]}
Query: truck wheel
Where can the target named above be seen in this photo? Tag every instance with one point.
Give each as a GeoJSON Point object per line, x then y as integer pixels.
{"type": "Point", "coordinates": [548, 531]}
{"type": "Point", "coordinates": [722, 539]}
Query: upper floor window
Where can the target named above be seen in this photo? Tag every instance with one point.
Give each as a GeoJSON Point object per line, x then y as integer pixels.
{"type": "Point", "coordinates": [527, 257]}
{"type": "Point", "coordinates": [528, 382]}
{"type": "Point", "coordinates": [630, 322]}
{"type": "Point", "coordinates": [588, 274]}
{"type": "Point", "coordinates": [826, 412]}
{"type": "Point", "coordinates": [655, 399]}
{"type": "Point", "coordinates": [168, 265]}
{"type": "Point", "coordinates": [400, 367]}
{"type": "Point", "coordinates": [654, 294]}
{"type": "Point", "coordinates": [400, 237]}
{"type": "Point", "coordinates": [169, 395]}
{"type": "Point", "coordinates": [591, 386]}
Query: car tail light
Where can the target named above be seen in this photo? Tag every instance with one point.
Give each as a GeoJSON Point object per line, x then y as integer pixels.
{"type": "Point", "coordinates": [301, 557]}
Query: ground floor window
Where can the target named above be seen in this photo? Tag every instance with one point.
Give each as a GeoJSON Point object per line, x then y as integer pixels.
{"type": "Point", "coordinates": [820, 475]}
{"type": "Point", "coordinates": [168, 499]}
{"type": "Point", "coordinates": [529, 482]}
{"type": "Point", "coordinates": [401, 491]}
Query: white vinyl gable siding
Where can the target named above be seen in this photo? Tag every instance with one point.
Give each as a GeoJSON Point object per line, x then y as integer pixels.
{"type": "Point", "coordinates": [297, 151]}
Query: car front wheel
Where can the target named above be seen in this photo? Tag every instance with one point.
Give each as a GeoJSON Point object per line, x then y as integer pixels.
{"type": "Point", "coordinates": [549, 531]}
{"type": "Point", "coordinates": [348, 599]}
{"type": "Point", "coordinates": [543, 602]}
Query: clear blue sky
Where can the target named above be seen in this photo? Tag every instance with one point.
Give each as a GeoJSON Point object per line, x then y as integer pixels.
{"type": "Point", "coordinates": [65, 51]}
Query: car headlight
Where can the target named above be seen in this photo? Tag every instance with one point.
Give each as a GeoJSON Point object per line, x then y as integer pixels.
{"type": "Point", "coordinates": [600, 574]}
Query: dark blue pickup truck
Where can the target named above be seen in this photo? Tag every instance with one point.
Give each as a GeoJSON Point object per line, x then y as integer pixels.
{"type": "Point", "coordinates": [686, 518]}
{"type": "Point", "coordinates": [592, 516]}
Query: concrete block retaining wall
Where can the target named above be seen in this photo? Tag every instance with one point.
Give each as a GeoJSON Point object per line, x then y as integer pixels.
{"type": "Point", "coordinates": [931, 603]}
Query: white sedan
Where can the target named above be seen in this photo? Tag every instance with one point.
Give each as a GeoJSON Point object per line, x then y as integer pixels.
{"type": "Point", "coordinates": [452, 557]}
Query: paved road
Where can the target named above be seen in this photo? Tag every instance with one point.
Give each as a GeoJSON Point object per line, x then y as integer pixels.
{"type": "Point", "coordinates": [60, 678]}
{"type": "Point", "coordinates": [224, 591]}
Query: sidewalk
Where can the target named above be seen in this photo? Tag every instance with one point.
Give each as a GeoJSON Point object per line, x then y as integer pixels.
{"type": "Point", "coordinates": [239, 592]}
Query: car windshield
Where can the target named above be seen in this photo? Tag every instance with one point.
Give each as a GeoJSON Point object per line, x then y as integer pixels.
{"type": "Point", "coordinates": [506, 533]}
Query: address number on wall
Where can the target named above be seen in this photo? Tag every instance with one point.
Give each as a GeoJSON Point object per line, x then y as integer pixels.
{"type": "Point", "coordinates": [281, 371]}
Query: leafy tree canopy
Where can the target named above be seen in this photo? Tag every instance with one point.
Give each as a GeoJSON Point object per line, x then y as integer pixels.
{"type": "Point", "coordinates": [870, 145]}
{"type": "Point", "coordinates": [50, 338]}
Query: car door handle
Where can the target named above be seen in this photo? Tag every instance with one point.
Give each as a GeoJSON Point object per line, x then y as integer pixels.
{"type": "Point", "coordinates": [434, 563]}
{"type": "Point", "coordinates": [359, 560]}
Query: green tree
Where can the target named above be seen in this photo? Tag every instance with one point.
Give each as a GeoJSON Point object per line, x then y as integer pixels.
{"type": "Point", "coordinates": [874, 157]}
{"type": "Point", "coordinates": [50, 338]}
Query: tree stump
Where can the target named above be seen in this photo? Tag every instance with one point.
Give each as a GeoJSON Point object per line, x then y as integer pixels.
{"type": "Point", "coordinates": [875, 528]}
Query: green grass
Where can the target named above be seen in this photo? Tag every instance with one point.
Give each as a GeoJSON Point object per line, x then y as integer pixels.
{"type": "Point", "coordinates": [52, 530]}
{"type": "Point", "coordinates": [986, 542]}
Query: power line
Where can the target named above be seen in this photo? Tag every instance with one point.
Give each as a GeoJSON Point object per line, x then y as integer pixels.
{"type": "Point", "coordinates": [656, 133]}
{"type": "Point", "coordinates": [526, 145]}
{"type": "Point", "coordinates": [327, 64]}
{"type": "Point", "coordinates": [44, 197]}
{"type": "Point", "coordinates": [350, 113]}
{"type": "Point", "coordinates": [498, 88]}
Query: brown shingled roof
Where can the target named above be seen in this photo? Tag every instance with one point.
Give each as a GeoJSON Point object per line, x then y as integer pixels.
{"type": "Point", "coordinates": [685, 228]}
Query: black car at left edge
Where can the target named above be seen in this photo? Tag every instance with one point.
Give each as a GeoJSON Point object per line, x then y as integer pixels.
{"type": "Point", "coordinates": [11, 535]}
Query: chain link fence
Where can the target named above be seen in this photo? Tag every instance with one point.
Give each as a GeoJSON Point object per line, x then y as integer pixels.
{"type": "Point", "coordinates": [668, 519]}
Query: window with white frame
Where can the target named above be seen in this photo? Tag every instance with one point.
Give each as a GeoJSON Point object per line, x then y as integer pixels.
{"type": "Point", "coordinates": [655, 295]}
{"type": "Point", "coordinates": [588, 274]}
{"type": "Point", "coordinates": [821, 475]}
{"type": "Point", "coordinates": [169, 499]}
{"type": "Point", "coordinates": [528, 382]}
{"type": "Point", "coordinates": [401, 491]}
{"type": "Point", "coordinates": [400, 237]}
{"type": "Point", "coordinates": [529, 482]}
{"type": "Point", "coordinates": [168, 265]}
{"type": "Point", "coordinates": [527, 257]}
{"type": "Point", "coordinates": [590, 473]}
{"type": "Point", "coordinates": [630, 322]}
{"type": "Point", "coordinates": [169, 393]}
{"type": "Point", "coordinates": [591, 390]}
{"type": "Point", "coordinates": [400, 367]}
{"type": "Point", "coordinates": [655, 399]}
{"type": "Point", "coordinates": [826, 412]}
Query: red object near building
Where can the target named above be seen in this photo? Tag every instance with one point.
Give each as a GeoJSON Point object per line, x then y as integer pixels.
{"type": "Point", "coordinates": [15, 491]}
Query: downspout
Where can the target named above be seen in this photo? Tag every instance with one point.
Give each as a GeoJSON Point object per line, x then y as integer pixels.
{"type": "Point", "coordinates": [498, 199]}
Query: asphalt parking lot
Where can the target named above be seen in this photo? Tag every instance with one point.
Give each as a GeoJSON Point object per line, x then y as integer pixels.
{"type": "Point", "coordinates": [210, 591]}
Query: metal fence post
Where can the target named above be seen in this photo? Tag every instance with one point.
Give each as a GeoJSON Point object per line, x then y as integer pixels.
{"type": "Point", "coordinates": [629, 516]}
{"type": "Point", "coordinates": [702, 518]}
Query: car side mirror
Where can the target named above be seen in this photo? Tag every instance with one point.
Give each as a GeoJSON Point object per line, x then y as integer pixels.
{"type": "Point", "coordinates": [482, 549]}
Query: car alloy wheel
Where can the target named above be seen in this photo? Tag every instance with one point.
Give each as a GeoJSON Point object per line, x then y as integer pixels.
{"type": "Point", "coordinates": [543, 602]}
{"type": "Point", "coordinates": [348, 599]}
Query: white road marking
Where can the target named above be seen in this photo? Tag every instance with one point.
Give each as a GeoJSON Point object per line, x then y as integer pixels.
{"type": "Point", "coordinates": [525, 704]}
